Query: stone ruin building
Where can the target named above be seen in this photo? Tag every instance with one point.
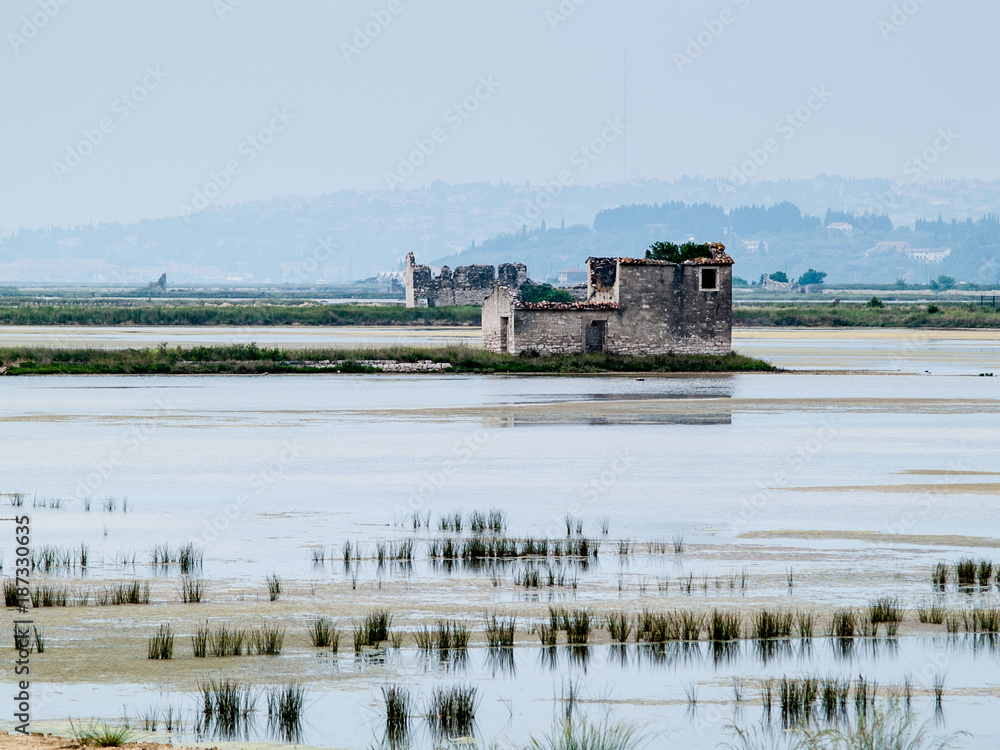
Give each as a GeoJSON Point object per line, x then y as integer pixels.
{"type": "Point", "coordinates": [466, 285]}
{"type": "Point", "coordinates": [633, 306]}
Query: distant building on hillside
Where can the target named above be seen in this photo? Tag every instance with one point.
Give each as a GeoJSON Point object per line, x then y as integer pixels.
{"type": "Point", "coordinates": [768, 284]}
{"type": "Point", "coordinates": [755, 246]}
{"type": "Point", "coordinates": [924, 255]}
{"type": "Point", "coordinates": [841, 226]}
{"type": "Point", "coordinates": [570, 276]}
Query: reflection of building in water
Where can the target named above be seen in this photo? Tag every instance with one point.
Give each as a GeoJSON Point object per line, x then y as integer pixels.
{"type": "Point", "coordinates": [633, 306]}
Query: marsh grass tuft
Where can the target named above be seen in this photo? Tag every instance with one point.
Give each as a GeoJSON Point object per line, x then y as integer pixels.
{"type": "Point", "coordinates": [766, 624]}
{"type": "Point", "coordinates": [582, 734]}
{"type": "Point", "coordinates": [161, 644]}
{"type": "Point", "coordinates": [273, 586]}
{"type": "Point", "coordinates": [452, 711]}
{"type": "Point", "coordinates": [398, 709]}
{"type": "Point", "coordinates": [265, 640]}
{"type": "Point", "coordinates": [192, 590]}
{"type": "Point", "coordinates": [724, 626]}
{"type": "Point", "coordinates": [226, 641]}
{"type": "Point", "coordinates": [11, 596]}
{"type": "Point", "coordinates": [578, 625]}
{"type": "Point", "coordinates": [619, 625]}
{"type": "Point", "coordinates": [199, 642]}
{"type": "Point", "coordinates": [373, 630]}
{"type": "Point", "coordinates": [285, 704]}
{"type": "Point", "coordinates": [500, 629]}
{"type": "Point", "coordinates": [101, 735]}
{"type": "Point", "coordinates": [843, 623]}
{"type": "Point", "coordinates": [931, 613]}
{"type": "Point", "coordinates": [228, 707]}
{"type": "Point", "coordinates": [323, 633]}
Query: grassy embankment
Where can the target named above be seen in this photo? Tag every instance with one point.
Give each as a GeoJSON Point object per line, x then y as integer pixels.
{"type": "Point", "coordinates": [839, 316]}
{"type": "Point", "coordinates": [251, 359]}
{"type": "Point", "coordinates": [845, 316]}
{"type": "Point", "coordinates": [236, 315]}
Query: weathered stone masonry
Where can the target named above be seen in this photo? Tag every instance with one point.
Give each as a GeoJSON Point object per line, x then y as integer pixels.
{"type": "Point", "coordinates": [633, 306]}
{"type": "Point", "coordinates": [467, 285]}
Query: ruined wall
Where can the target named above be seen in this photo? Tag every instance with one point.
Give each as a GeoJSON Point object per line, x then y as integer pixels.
{"type": "Point", "coordinates": [647, 307]}
{"type": "Point", "coordinates": [549, 331]}
{"type": "Point", "coordinates": [466, 285]}
{"type": "Point", "coordinates": [664, 310]}
{"type": "Point", "coordinates": [495, 307]}
{"type": "Point", "coordinates": [601, 277]}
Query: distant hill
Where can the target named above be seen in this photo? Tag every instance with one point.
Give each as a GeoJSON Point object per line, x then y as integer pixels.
{"type": "Point", "coordinates": [354, 234]}
{"type": "Point", "coordinates": [762, 240]}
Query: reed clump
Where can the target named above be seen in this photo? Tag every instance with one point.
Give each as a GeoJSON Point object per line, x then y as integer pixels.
{"type": "Point", "coordinates": [373, 630]}
{"type": "Point", "coordinates": [228, 706]}
{"type": "Point", "coordinates": [324, 633]}
{"type": "Point", "coordinates": [161, 643]}
{"type": "Point", "coordinates": [500, 629]}
{"type": "Point", "coordinates": [931, 613]}
{"type": "Point", "coordinates": [192, 590]}
{"type": "Point", "coordinates": [285, 705]}
{"type": "Point", "coordinates": [843, 623]}
{"type": "Point", "coordinates": [273, 583]}
{"type": "Point", "coordinates": [885, 610]}
{"type": "Point", "coordinates": [266, 640]}
{"type": "Point", "coordinates": [578, 625]}
{"type": "Point", "coordinates": [767, 624]}
{"type": "Point", "coordinates": [724, 626]}
{"type": "Point", "coordinates": [398, 710]}
{"type": "Point", "coordinates": [452, 711]}
{"type": "Point", "coordinates": [619, 625]}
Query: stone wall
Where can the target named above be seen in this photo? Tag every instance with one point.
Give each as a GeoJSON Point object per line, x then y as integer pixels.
{"type": "Point", "coordinates": [647, 307]}
{"type": "Point", "coordinates": [466, 285]}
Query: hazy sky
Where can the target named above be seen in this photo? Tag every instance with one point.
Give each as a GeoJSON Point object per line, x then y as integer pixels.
{"type": "Point", "coordinates": [297, 98]}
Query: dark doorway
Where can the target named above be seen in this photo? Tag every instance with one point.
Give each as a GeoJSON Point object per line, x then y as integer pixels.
{"type": "Point", "coordinates": [594, 336]}
{"type": "Point", "coordinates": [504, 323]}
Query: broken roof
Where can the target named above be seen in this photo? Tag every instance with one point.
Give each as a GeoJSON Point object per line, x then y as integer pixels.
{"type": "Point", "coordinates": [719, 257]}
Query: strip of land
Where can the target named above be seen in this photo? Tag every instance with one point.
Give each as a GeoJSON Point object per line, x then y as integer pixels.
{"type": "Point", "coordinates": [252, 359]}
{"type": "Point", "coordinates": [971, 488]}
{"type": "Point", "coordinates": [943, 540]}
{"type": "Point", "coordinates": [315, 314]}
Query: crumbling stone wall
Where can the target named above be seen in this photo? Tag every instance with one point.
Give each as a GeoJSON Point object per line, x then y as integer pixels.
{"type": "Point", "coordinates": [466, 285]}
{"type": "Point", "coordinates": [643, 307]}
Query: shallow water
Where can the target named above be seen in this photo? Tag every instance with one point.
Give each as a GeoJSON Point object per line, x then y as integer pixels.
{"type": "Point", "coordinates": [521, 690]}
{"type": "Point", "coordinates": [893, 350]}
{"type": "Point", "coordinates": [261, 470]}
